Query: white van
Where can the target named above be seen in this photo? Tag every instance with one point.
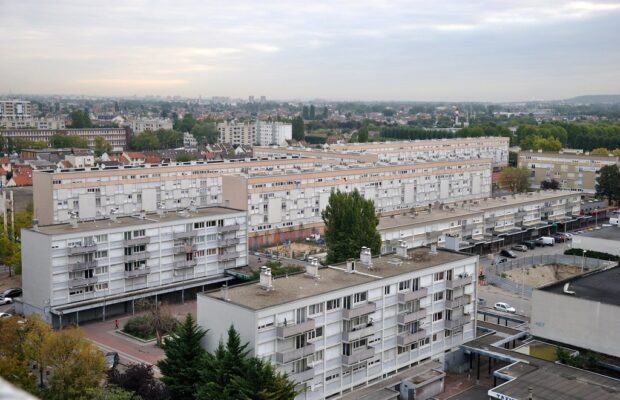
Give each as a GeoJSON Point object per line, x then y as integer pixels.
{"type": "Point", "coordinates": [614, 221]}
{"type": "Point", "coordinates": [546, 240]}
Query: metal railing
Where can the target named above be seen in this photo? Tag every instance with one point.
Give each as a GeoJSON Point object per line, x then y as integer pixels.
{"type": "Point", "coordinates": [408, 317]}
{"type": "Point", "coordinates": [406, 338]}
{"type": "Point", "coordinates": [284, 357]}
{"type": "Point", "coordinates": [144, 255]}
{"type": "Point", "coordinates": [228, 228]}
{"type": "Point", "coordinates": [134, 273]}
{"type": "Point", "coordinates": [82, 265]}
{"type": "Point", "coordinates": [81, 282]}
{"type": "Point", "coordinates": [460, 321]}
{"type": "Point", "coordinates": [362, 309]}
{"type": "Point", "coordinates": [184, 235]}
{"type": "Point", "coordinates": [358, 355]}
{"type": "Point", "coordinates": [456, 283]}
{"type": "Point", "coordinates": [358, 332]}
{"type": "Point", "coordinates": [459, 301]}
{"type": "Point", "coordinates": [291, 329]}
{"type": "Point", "coordinates": [184, 264]}
{"type": "Point", "coordinates": [82, 249]}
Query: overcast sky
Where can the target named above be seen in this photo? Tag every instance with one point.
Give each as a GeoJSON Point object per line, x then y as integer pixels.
{"type": "Point", "coordinates": [493, 50]}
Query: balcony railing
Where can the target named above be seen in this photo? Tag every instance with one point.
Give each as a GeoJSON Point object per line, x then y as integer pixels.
{"type": "Point", "coordinates": [82, 249]}
{"type": "Point", "coordinates": [184, 264]}
{"type": "Point", "coordinates": [408, 317]}
{"type": "Point", "coordinates": [459, 301]}
{"type": "Point", "coordinates": [184, 235]}
{"type": "Point", "coordinates": [137, 272]}
{"type": "Point", "coordinates": [81, 282]}
{"type": "Point", "coordinates": [228, 242]}
{"type": "Point", "coordinates": [284, 357]}
{"type": "Point", "coordinates": [228, 256]}
{"type": "Point", "coordinates": [358, 333]}
{"type": "Point", "coordinates": [456, 283]}
{"type": "Point", "coordinates": [412, 295]}
{"type": "Point", "coordinates": [185, 248]}
{"type": "Point", "coordinates": [302, 376]}
{"type": "Point", "coordinates": [137, 241]}
{"type": "Point", "coordinates": [362, 309]}
{"type": "Point", "coordinates": [82, 265]}
{"type": "Point", "coordinates": [228, 228]}
{"type": "Point", "coordinates": [291, 329]}
{"type": "Point", "coordinates": [404, 339]}
{"type": "Point", "coordinates": [358, 355]}
{"type": "Point", "coordinates": [143, 255]}
{"type": "Point", "coordinates": [460, 321]}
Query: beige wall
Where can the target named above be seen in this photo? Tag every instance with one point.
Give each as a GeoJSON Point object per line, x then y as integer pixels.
{"type": "Point", "coordinates": [42, 198]}
{"type": "Point", "coordinates": [235, 192]}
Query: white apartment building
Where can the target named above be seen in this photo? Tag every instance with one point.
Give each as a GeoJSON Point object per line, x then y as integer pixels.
{"type": "Point", "coordinates": [33, 123]}
{"type": "Point", "coordinates": [15, 110]}
{"type": "Point", "coordinates": [86, 270]}
{"type": "Point", "coordinates": [237, 133]}
{"type": "Point", "coordinates": [118, 137]}
{"type": "Point", "coordinates": [189, 141]}
{"type": "Point", "coordinates": [148, 124]}
{"type": "Point", "coordinates": [95, 192]}
{"type": "Point", "coordinates": [338, 328]}
{"type": "Point", "coordinates": [481, 225]}
{"type": "Point", "coordinates": [273, 133]}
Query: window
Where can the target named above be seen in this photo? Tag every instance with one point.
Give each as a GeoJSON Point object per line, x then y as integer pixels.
{"type": "Point", "coordinates": [415, 284]}
{"type": "Point", "coordinates": [101, 238]}
{"type": "Point", "coordinates": [139, 233]}
{"type": "Point", "coordinates": [101, 254]}
{"type": "Point", "coordinates": [315, 309]}
{"type": "Point", "coordinates": [198, 225]}
{"type": "Point", "coordinates": [438, 296]}
{"type": "Point", "coordinates": [101, 286]}
{"type": "Point", "coordinates": [386, 290]}
{"type": "Point", "coordinates": [101, 270]}
{"type": "Point", "coordinates": [447, 333]}
{"type": "Point", "coordinates": [199, 253]}
{"type": "Point", "coordinates": [333, 304]}
{"type": "Point", "coordinates": [438, 316]}
{"type": "Point", "coordinates": [316, 333]}
{"type": "Point", "coordinates": [318, 356]}
{"type": "Point", "coordinates": [359, 297]}
{"type": "Point", "coordinates": [439, 276]}
{"type": "Point", "coordinates": [404, 285]}
{"type": "Point", "coordinates": [332, 375]}
{"type": "Point", "coordinates": [435, 337]}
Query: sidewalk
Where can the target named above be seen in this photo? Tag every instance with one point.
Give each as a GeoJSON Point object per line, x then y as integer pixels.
{"type": "Point", "coordinates": [104, 335]}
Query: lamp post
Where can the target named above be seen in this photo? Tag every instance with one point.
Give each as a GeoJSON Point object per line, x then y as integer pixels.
{"type": "Point", "coordinates": [583, 259]}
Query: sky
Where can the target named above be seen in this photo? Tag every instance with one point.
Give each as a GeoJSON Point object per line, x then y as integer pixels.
{"type": "Point", "coordinates": [454, 50]}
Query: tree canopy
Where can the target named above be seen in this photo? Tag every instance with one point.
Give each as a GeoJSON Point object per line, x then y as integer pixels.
{"type": "Point", "coordinates": [102, 146]}
{"type": "Point", "coordinates": [608, 183]}
{"type": "Point", "coordinates": [535, 142]}
{"type": "Point", "coordinates": [350, 224]}
{"type": "Point", "coordinates": [60, 141]}
{"type": "Point", "coordinates": [159, 139]}
{"type": "Point", "coordinates": [205, 132]}
{"type": "Point", "coordinates": [362, 135]}
{"type": "Point", "coordinates": [515, 180]}
{"type": "Point", "coordinates": [80, 119]}
{"type": "Point", "coordinates": [298, 128]}
{"type": "Point", "coordinates": [185, 124]}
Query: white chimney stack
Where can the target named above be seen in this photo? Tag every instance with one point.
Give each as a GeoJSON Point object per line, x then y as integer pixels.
{"type": "Point", "coordinates": [265, 278]}
{"type": "Point", "coordinates": [401, 249]}
{"type": "Point", "coordinates": [366, 256]}
{"type": "Point", "coordinates": [312, 269]}
{"type": "Point", "coordinates": [350, 265]}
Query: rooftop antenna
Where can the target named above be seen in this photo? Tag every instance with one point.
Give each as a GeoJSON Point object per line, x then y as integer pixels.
{"type": "Point", "coordinates": [73, 218]}
{"type": "Point", "coordinates": [113, 213]}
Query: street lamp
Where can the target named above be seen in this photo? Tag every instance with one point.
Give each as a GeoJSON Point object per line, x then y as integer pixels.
{"type": "Point", "coordinates": [583, 259]}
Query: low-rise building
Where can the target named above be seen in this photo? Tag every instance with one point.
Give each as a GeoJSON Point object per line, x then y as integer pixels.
{"type": "Point", "coordinates": [148, 124]}
{"type": "Point", "coordinates": [337, 328]}
{"type": "Point", "coordinates": [85, 270]}
{"type": "Point", "coordinates": [117, 137]}
{"type": "Point", "coordinates": [576, 172]}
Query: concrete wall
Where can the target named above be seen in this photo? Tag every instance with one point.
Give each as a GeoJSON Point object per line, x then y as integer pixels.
{"type": "Point", "coordinates": [42, 201]}
{"type": "Point", "coordinates": [574, 321]}
{"type": "Point", "coordinates": [597, 244]}
{"type": "Point", "coordinates": [217, 316]}
{"type": "Point", "coordinates": [36, 271]}
{"type": "Point", "coordinates": [235, 192]}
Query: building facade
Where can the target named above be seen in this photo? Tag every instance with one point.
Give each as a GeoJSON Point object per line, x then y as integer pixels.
{"type": "Point", "coordinates": [273, 133]}
{"type": "Point", "coordinates": [148, 124]}
{"type": "Point", "coordinates": [15, 110]}
{"type": "Point", "coordinates": [118, 137]}
{"type": "Point", "coordinates": [88, 270]}
{"type": "Point", "coordinates": [337, 328]}
{"type": "Point", "coordinates": [576, 172]}
{"type": "Point", "coordinates": [237, 133]}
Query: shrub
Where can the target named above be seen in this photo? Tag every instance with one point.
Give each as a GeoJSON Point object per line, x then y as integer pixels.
{"type": "Point", "coordinates": [142, 326]}
{"type": "Point", "coordinates": [592, 254]}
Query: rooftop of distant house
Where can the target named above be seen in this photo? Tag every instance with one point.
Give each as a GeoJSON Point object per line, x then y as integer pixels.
{"type": "Point", "coordinates": [333, 278]}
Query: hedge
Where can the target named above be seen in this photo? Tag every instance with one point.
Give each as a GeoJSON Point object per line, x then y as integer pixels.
{"type": "Point", "coordinates": [592, 254]}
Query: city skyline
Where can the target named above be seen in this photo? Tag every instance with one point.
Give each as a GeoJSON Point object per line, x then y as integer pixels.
{"type": "Point", "coordinates": [483, 51]}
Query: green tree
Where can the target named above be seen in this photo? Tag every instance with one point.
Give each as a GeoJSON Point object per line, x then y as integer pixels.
{"type": "Point", "coordinates": [80, 119]}
{"type": "Point", "coordinates": [608, 183]}
{"type": "Point", "coordinates": [102, 146]}
{"type": "Point", "coordinates": [146, 140]}
{"type": "Point", "coordinates": [616, 152]}
{"type": "Point", "coordinates": [65, 141]}
{"type": "Point", "coordinates": [601, 151]}
{"type": "Point", "coordinates": [298, 128]}
{"type": "Point", "coordinates": [312, 112]}
{"type": "Point", "coordinates": [112, 392]}
{"type": "Point", "coordinates": [515, 180]}
{"type": "Point", "coordinates": [184, 356]}
{"type": "Point", "coordinates": [362, 135]}
{"type": "Point", "coordinates": [535, 142]}
{"type": "Point", "coordinates": [350, 223]}
{"type": "Point", "coordinates": [513, 158]}
{"type": "Point", "coordinates": [206, 132]}
{"type": "Point", "coordinates": [186, 123]}
{"type": "Point", "coordinates": [169, 138]}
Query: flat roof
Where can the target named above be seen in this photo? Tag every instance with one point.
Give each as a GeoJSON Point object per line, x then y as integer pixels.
{"type": "Point", "coordinates": [299, 286]}
{"type": "Point", "coordinates": [470, 209]}
{"type": "Point", "coordinates": [601, 286]}
{"type": "Point", "coordinates": [569, 155]}
{"type": "Point", "coordinates": [133, 221]}
{"type": "Point", "coordinates": [609, 233]}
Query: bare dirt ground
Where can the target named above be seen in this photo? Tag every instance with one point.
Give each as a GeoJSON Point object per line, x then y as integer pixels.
{"type": "Point", "coordinates": [539, 275]}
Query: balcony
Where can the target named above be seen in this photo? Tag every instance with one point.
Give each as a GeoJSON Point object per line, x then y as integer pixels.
{"type": "Point", "coordinates": [82, 265]}
{"type": "Point", "coordinates": [184, 235]}
{"type": "Point", "coordinates": [408, 317]}
{"type": "Point", "coordinates": [228, 242]}
{"type": "Point", "coordinates": [137, 272]}
{"type": "Point", "coordinates": [184, 264]}
{"type": "Point", "coordinates": [358, 355]}
{"type": "Point", "coordinates": [358, 333]}
{"type": "Point", "coordinates": [456, 322]}
{"type": "Point", "coordinates": [137, 241]}
{"type": "Point", "coordinates": [82, 249]}
{"type": "Point", "coordinates": [404, 339]}
{"type": "Point", "coordinates": [284, 357]}
{"type": "Point", "coordinates": [143, 255]}
{"type": "Point", "coordinates": [185, 248]}
{"type": "Point", "coordinates": [291, 329]}
{"type": "Point", "coordinates": [410, 296]}
{"type": "Point", "coordinates": [81, 282]}
{"type": "Point", "coordinates": [228, 228]}
{"type": "Point", "coordinates": [362, 309]}
{"type": "Point", "coordinates": [228, 256]}
{"type": "Point", "coordinates": [302, 376]}
{"type": "Point", "coordinates": [459, 301]}
{"type": "Point", "coordinates": [456, 283]}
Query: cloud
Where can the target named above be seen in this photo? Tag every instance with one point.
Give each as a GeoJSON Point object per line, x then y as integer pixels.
{"type": "Point", "coordinates": [264, 48]}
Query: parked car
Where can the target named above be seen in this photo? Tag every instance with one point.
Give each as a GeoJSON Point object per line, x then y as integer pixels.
{"type": "Point", "coordinates": [5, 315]}
{"type": "Point", "coordinates": [519, 247]}
{"type": "Point", "coordinates": [559, 238]}
{"type": "Point", "coordinates": [12, 292]}
{"type": "Point", "coordinates": [507, 253]}
{"type": "Point", "coordinates": [5, 300]}
{"type": "Point", "coordinates": [530, 244]}
{"type": "Point", "coordinates": [111, 359]}
{"type": "Point", "coordinates": [505, 307]}
{"type": "Point", "coordinates": [499, 261]}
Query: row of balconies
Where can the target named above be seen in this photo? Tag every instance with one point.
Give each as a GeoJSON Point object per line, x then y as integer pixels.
{"type": "Point", "coordinates": [137, 272]}
{"type": "Point", "coordinates": [358, 355]}
{"type": "Point", "coordinates": [406, 338]}
{"type": "Point", "coordinates": [81, 282]}
{"type": "Point", "coordinates": [408, 317]}
{"type": "Point", "coordinates": [358, 333]}
{"type": "Point", "coordinates": [287, 356]}
{"type": "Point", "coordinates": [459, 301]}
{"type": "Point", "coordinates": [143, 255]}
{"type": "Point", "coordinates": [405, 297]}
{"type": "Point", "coordinates": [191, 234]}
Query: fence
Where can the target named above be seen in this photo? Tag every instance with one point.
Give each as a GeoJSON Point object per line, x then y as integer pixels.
{"type": "Point", "coordinates": [493, 272]}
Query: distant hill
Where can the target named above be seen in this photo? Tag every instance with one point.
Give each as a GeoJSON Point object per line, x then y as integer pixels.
{"type": "Point", "coordinates": [595, 99]}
